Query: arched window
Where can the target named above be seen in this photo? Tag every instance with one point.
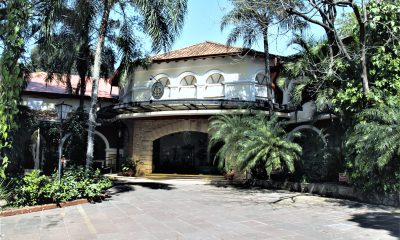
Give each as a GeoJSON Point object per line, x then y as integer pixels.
{"type": "Point", "coordinates": [164, 81]}
{"type": "Point", "coordinates": [261, 79]}
{"type": "Point", "coordinates": [189, 80]}
{"type": "Point", "coordinates": [215, 78]}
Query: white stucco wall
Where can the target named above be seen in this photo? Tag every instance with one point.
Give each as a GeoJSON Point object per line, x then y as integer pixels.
{"type": "Point", "coordinates": [239, 79]}
{"type": "Point", "coordinates": [37, 102]}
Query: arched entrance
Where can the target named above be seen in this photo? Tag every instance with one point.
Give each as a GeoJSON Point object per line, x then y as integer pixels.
{"type": "Point", "coordinates": [78, 156]}
{"type": "Point", "coordinates": [146, 132]}
{"type": "Point", "coordinates": [182, 152]}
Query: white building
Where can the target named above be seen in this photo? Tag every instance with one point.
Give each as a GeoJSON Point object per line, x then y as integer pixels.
{"type": "Point", "coordinates": [166, 107]}
{"type": "Point", "coordinates": [41, 95]}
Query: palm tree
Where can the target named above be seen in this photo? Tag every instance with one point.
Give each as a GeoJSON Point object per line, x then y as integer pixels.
{"type": "Point", "coordinates": [162, 21]}
{"type": "Point", "coordinates": [312, 73]}
{"type": "Point", "coordinates": [252, 19]}
{"type": "Point", "coordinates": [227, 129]}
{"type": "Point", "coordinates": [373, 149]}
{"type": "Point", "coordinates": [70, 44]}
{"type": "Point", "coordinates": [251, 141]}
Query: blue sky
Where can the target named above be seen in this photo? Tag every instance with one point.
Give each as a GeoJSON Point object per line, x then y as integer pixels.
{"type": "Point", "coordinates": [203, 23]}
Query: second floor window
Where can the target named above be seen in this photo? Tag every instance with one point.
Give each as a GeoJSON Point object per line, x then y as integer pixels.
{"type": "Point", "coordinates": [261, 79]}
{"type": "Point", "coordinates": [189, 80]}
{"type": "Point", "coordinates": [215, 79]}
{"type": "Point", "coordinates": [164, 81]}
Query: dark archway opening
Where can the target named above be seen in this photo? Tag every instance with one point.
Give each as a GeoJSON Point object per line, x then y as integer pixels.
{"type": "Point", "coordinates": [184, 153]}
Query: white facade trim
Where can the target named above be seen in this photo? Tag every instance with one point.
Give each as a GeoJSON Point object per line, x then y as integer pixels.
{"type": "Point", "coordinates": [191, 113]}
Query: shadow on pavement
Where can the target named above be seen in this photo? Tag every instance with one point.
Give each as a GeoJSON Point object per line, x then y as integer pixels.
{"type": "Point", "coordinates": [153, 185]}
{"type": "Point", "coordinates": [379, 220]}
{"type": "Point", "coordinates": [124, 186]}
{"type": "Point", "coordinates": [120, 187]}
{"type": "Point", "coordinates": [243, 186]}
{"type": "Point", "coordinates": [350, 203]}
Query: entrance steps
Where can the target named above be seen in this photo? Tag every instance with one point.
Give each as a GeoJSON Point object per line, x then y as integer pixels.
{"type": "Point", "coordinates": [161, 176]}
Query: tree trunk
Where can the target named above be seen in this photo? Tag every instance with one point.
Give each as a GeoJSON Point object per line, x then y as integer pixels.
{"type": "Point", "coordinates": [82, 91]}
{"type": "Point", "coordinates": [95, 80]}
{"type": "Point", "coordinates": [362, 20]}
{"type": "Point", "coordinates": [83, 61]}
{"type": "Point", "coordinates": [267, 67]}
{"type": "Point", "coordinates": [68, 81]}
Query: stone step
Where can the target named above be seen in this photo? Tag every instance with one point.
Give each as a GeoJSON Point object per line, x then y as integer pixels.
{"type": "Point", "coordinates": [160, 176]}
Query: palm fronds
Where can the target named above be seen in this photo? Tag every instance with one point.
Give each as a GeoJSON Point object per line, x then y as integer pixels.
{"type": "Point", "coordinates": [163, 20]}
{"type": "Point", "coordinates": [251, 140]}
{"type": "Point", "coordinates": [373, 145]}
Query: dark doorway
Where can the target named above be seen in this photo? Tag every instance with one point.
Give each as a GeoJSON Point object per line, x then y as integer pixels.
{"type": "Point", "coordinates": [183, 152]}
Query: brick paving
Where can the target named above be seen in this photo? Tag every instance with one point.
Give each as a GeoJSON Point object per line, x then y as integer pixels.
{"type": "Point", "coordinates": [195, 209]}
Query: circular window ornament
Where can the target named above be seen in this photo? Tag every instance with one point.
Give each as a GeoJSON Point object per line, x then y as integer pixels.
{"type": "Point", "coordinates": [157, 90]}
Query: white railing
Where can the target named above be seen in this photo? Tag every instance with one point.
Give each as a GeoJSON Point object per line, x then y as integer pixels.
{"type": "Point", "coordinates": [241, 90]}
{"type": "Point", "coordinates": [261, 91]}
{"type": "Point", "coordinates": [214, 91]}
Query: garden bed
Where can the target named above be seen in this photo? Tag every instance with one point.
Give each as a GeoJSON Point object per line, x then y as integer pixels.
{"type": "Point", "coordinates": [38, 208]}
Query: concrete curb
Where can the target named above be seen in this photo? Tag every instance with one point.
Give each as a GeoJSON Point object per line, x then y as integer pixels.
{"type": "Point", "coordinates": [39, 208]}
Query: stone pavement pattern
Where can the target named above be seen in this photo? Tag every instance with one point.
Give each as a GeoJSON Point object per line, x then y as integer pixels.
{"type": "Point", "coordinates": [189, 209]}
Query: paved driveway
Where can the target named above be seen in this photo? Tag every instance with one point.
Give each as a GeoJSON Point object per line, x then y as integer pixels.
{"type": "Point", "coordinates": [189, 209]}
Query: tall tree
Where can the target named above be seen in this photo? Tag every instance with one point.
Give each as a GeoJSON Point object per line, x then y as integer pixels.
{"type": "Point", "coordinates": [324, 13]}
{"type": "Point", "coordinates": [337, 81]}
{"type": "Point", "coordinates": [251, 21]}
{"type": "Point", "coordinates": [70, 47]}
{"type": "Point", "coordinates": [19, 21]}
{"type": "Point", "coordinates": [162, 22]}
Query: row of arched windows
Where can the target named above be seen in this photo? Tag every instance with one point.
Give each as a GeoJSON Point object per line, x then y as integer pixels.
{"type": "Point", "coordinates": [215, 78]}
{"type": "Point", "coordinates": [191, 80]}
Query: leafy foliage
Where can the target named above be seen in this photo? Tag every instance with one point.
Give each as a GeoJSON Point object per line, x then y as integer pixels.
{"type": "Point", "coordinates": [373, 149]}
{"type": "Point", "coordinates": [12, 39]}
{"type": "Point", "coordinates": [131, 167]}
{"type": "Point", "coordinates": [22, 139]}
{"type": "Point", "coordinates": [32, 189]}
{"type": "Point", "coordinates": [314, 76]}
{"type": "Point", "coordinates": [334, 83]}
{"type": "Point", "coordinates": [251, 141]}
{"type": "Point", "coordinates": [385, 53]}
{"type": "Point", "coordinates": [19, 20]}
{"type": "Point", "coordinates": [78, 182]}
{"type": "Point", "coordinates": [251, 20]}
{"type": "Point", "coordinates": [75, 146]}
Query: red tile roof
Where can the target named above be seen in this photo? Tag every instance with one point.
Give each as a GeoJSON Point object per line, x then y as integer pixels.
{"type": "Point", "coordinates": [37, 83]}
{"type": "Point", "coordinates": [204, 49]}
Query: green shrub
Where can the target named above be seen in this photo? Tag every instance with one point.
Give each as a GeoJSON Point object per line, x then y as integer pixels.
{"type": "Point", "coordinates": [77, 182]}
{"type": "Point", "coordinates": [89, 184]}
{"type": "Point", "coordinates": [131, 167]}
{"type": "Point", "coordinates": [32, 189]}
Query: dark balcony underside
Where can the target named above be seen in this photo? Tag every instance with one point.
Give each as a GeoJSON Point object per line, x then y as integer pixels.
{"type": "Point", "coordinates": [112, 111]}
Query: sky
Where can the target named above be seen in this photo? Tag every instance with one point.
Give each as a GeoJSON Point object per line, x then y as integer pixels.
{"type": "Point", "coordinates": [202, 23]}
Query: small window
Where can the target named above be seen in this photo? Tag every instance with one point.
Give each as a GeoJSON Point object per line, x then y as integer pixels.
{"type": "Point", "coordinates": [261, 79]}
{"type": "Point", "coordinates": [189, 80]}
{"type": "Point", "coordinates": [215, 78]}
{"type": "Point", "coordinates": [35, 103]}
{"type": "Point", "coordinates": [164, 81]}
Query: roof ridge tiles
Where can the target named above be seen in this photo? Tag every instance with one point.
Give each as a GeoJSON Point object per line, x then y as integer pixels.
{"type": "Point", "coordinates": [207, 48]}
